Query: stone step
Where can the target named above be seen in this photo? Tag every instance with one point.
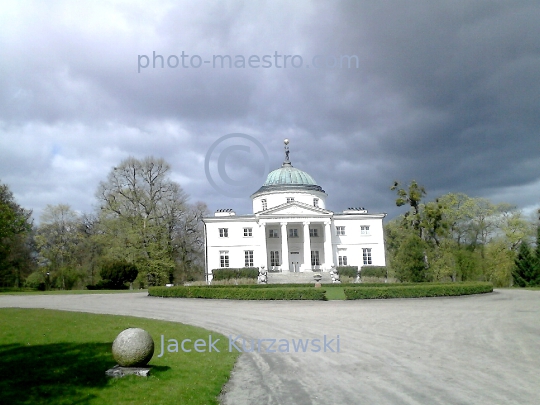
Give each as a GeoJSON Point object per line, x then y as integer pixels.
{"type": "Point", "coordinates": [297, 278]}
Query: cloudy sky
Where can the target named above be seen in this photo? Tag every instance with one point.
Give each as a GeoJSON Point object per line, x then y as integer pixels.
{"type": "Point", "coordinates": [443, 92]}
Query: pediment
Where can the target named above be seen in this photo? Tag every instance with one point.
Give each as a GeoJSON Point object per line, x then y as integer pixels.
{"type": "Point", "coordinates": [295, 208]}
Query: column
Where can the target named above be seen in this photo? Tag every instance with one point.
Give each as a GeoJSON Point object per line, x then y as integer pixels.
{"type": "Point", "coordinates": [307, 249]}
{"type": "Point", "coordinates": [284, 248]}
{"type": "Point", "coordinates": [328, 248]}
{"type": "Point", "coordinates": [262, 260]}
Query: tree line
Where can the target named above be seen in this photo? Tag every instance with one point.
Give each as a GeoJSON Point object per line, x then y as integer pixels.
{"type": "Point", "coordinates": [143, 225]}
{"type": "Point", "coordinates": [461, 238]}
{"type": "Point", "coordinates": [143, 230]}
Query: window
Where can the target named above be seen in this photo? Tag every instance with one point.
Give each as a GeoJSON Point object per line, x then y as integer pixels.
{"type": "Point", "coordinates": [248, 254]}
{"type": "Point", "coordinates": [366, 253]}
{"type": "Point", "coordinates": [272, 233]}
{"type": "Point", "coordinates": [274, 258]}
{"type": "Point", "coordinates": [342, 260]}
{"type": "Point", "coordinates": [224, 258]}
{"type": "Point", "coordinates": [315, 258]}
{"type": "Point", "coordinates": [340, 230]}
{"type": "Point", "coordinates": [290, 199]}
{"type": "Point", "coordinates": [313, 232]}
{"type": "Point", "coordinates": [315, 202]}
{"type": "Point", "coordinates": [293, 233]}
{"type": "Point", "coordinates": [248, 231]}
{"type": "Point", "coordinates": [364, 230]}
{"type": "Point", "coordinates": [224, 233]}
{"type": "Point", "coordinates": [264, 205]}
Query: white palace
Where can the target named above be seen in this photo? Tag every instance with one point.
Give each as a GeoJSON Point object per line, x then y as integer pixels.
{"type": "Point", "coordinates": [291, 230]}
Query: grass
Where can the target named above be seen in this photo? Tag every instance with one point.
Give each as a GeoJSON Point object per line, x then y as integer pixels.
{"type": "Point", "coordinates": [335, 293]}
{"type": "Point", "coordinates": [57, 357]}
{"type": "Point", "coordinates": [64, 292]}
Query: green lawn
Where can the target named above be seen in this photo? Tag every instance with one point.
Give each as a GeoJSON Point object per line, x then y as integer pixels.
{"type": "Point", "coordinates": [62, 292]}
{"type": "Point", "coordinates": [57, 357]}
{"type": "Point", "coordinates": [334, 293]}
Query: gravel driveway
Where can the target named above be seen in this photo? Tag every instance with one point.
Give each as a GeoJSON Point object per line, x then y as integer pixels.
{"type": "Point", "coordinates": [481, 349]}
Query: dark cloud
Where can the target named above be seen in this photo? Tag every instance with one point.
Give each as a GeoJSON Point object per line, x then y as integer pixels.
{"type": "Point", "coordinates": [446, 92]}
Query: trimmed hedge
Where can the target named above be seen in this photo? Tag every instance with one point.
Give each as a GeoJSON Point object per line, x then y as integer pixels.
{"type": "Point", "coordinates": [285, 285]}
{"type": "Point", "coordinates": [231, 273]}
{"type": "Point", "coordinates": [416, 290]}
{"type": "Point", "coordinates": [235, 293]}
{"type": "Point", "coordinates": [373, 271]}
{"type": "Point", "coordinates": [348, 271]}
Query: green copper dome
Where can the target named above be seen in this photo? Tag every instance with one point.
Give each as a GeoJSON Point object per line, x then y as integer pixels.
{"type": "Point", "coordinates": [288, 175]}
{"type": "Point", "coordinates": [288, 178]}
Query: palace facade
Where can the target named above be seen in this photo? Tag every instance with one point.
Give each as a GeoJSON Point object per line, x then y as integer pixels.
{"type": "Point", "coordinates": [291, 230]}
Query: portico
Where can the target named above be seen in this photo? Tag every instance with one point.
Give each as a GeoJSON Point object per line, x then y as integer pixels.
{"type": "Point", "coordinates": [304, 244]}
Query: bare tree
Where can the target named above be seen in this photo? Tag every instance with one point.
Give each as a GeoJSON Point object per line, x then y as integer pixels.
{"type": "Point", "coordinates": [141, 211]}
{"type": "Point", "coordinates": [57, 238]}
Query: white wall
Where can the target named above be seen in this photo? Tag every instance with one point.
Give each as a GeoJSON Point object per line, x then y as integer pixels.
{"type": "Point", "coordinates": [280, 197]}
{"type": "Point", "coordinates": [235, 243]}
{"type": "Point", "coordinates": [353, 240]}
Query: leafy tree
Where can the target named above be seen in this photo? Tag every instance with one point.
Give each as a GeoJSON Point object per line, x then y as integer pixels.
{"type": "Point", "coordinates": [499, 263]}
{"type": "Point", "coordinates": [514, 227]}
{"type": "Point", "coordinates": [537, 250]}
{"type": "Point", "coordinates": [410, 265]}
{"type": "Point", "coordinates": [15, 250]}
{"type": "Point", "coordinates": [526, 272]}
{"type": "Point", "coordinates": [413, 197]}
{"type": "Point", "coordinates": [443, 261]}
{"type": "Point", "coordinates": [433, 222]}
{"type": "Point", "coordinates": [463, 238]}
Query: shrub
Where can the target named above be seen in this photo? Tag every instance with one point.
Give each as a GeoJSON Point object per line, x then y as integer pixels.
{"type": "Point", "coordinates": [349, 271]}
{"type": "Point", "coordinates": [236, 293]}
{"type": "Point", "coordinates": [115, 274]}
{"type": "Point", "coordinates": [416, 290]}
{"type": "Point", "coordinates": [107, 285]}
{"type": "Point", "coordinates": [35, 281]}
{"type": "Point", "coordinates": [373, 271]}
{"type": "Point", "coordinates": [230, 273]}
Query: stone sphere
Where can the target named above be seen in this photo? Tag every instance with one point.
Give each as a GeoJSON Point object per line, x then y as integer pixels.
{"type": "Point", "coordinates": [133, 347]}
